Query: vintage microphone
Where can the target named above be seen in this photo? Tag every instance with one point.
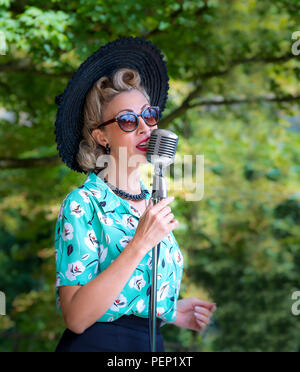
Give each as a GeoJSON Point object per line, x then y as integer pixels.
{"type": "Point", "coordinates": [161, 153]}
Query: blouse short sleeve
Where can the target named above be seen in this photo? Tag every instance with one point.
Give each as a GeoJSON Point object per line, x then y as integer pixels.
{"type": "Point", "coordinates": [76, 244]}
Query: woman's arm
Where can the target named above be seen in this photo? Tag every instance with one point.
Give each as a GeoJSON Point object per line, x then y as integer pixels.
{"type": "Point", "coordinates": [82, 306]}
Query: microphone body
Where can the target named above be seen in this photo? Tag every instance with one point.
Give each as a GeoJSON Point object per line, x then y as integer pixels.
{"type": "Point", "coordinates": [161, 153]}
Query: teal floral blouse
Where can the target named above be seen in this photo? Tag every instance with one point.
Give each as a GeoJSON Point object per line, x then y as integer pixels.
{"type": "Point", "coordinates": [93, 226]}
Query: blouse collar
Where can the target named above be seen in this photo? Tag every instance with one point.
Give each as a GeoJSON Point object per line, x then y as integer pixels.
{"type": "Point", "coordinates": [112, 200]}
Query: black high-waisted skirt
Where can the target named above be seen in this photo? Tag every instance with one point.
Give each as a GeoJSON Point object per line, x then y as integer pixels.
{"type": "Point", "coordinates": [128, 333]}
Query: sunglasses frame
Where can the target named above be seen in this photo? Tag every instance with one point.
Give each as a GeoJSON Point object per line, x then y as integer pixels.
{"type": "Point", "coordinates": [115, 119]}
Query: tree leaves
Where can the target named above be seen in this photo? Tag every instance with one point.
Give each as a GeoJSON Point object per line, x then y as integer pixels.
{"type": "Point", "coordinates": [234, 87]}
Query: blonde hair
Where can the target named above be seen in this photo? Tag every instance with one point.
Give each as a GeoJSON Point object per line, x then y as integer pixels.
{"type": "Point", "coordinates": [103, 91]}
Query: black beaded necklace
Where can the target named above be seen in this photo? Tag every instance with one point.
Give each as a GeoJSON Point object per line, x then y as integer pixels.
{"type": "Point", "coordinates": [125, 194]}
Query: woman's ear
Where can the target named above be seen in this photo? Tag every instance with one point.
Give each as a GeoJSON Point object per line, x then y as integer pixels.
{"type": "Point", "coordinates": [99, 137]}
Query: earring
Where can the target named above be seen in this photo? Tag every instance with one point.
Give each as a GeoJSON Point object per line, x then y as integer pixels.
{"type": "Point", "coordinates": [107, 149]}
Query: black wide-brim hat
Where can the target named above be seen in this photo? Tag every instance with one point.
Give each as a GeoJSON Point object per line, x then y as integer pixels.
{"type": "Point", "coordinates": [135, 53]}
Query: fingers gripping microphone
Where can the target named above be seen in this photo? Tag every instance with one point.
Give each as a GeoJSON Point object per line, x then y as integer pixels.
{"type": "Point", "coordinates": [161, 153]}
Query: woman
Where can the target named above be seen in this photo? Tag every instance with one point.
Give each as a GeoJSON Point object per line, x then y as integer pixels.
{"type": "Point", "coordinates": [107, 227]}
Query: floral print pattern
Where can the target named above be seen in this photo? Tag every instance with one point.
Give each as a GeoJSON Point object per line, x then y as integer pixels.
{"type": "Point", "coordinates": [93, 227]}
{"type": "Point", "coordinates": [74, 269]}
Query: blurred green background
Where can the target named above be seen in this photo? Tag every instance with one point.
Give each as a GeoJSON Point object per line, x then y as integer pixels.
{"type": "Point", "coordinates": [234, 98]}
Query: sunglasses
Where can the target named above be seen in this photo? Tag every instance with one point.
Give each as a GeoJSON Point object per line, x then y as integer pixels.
{"type": "Point", "coordinates": [129, 121]}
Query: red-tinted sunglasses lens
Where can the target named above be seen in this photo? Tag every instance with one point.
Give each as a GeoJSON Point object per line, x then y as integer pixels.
{"type": "Point", "coordinates": [129, 122]}
{"type": "Point", "coordinates": [151, 116]}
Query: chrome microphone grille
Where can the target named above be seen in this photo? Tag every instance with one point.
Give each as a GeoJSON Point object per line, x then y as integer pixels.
{"type": "Point", "coordinates": [162, 143]}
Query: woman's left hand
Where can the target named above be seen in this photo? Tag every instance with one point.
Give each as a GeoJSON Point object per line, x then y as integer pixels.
{"type": "Point", "coordinates": [194, 314]}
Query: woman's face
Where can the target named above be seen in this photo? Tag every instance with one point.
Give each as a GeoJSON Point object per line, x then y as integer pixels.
{"type": "Point", "coordinates": [115, 136]}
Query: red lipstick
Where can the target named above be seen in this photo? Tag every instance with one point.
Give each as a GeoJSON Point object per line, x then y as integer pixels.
{"type": "Point", "coordinates": [143, 145]}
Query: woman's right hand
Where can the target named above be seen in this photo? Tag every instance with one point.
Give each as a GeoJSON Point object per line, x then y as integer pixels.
{"type": "Point", "coordinates": [156, 222]}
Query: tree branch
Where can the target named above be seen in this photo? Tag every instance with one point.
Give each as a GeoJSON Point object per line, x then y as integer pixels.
{"type": "Point", "coordinates": [237, 101]}
{"type": "Point", "coordinates": [292, 7]}
{"type": "Point", "coordinates": [183, 108]}
{"type": "Point", "coordinates": [25, 66]}
{"type": "Point", "coordinates": [5, 86]}
{"type": "Point", "coordinates": [14, 163]}
{"type": "Point", "coordinates": [243, 61]}
{"type": "Point", "coordinates": [186, 104]}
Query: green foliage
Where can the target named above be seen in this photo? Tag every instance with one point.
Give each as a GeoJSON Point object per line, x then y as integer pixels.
{"type": "Point", "coordinates": [241, 241]}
